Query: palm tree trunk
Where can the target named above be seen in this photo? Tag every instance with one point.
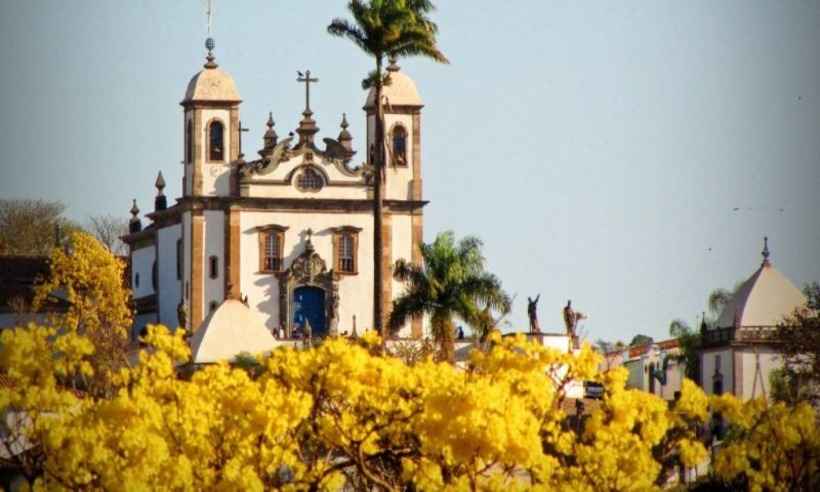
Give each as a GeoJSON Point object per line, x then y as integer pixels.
{"type": "Point", "coordinates": [378, 210]}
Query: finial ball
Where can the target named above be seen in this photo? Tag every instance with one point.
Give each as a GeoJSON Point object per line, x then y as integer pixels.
{"type": "Point", "coordinates": [210, 44]}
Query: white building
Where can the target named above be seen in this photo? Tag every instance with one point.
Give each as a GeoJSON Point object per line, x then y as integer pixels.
{"type": "Point", "coordinates": [739, 355]}
{"type": "Point", "coordinates": [291, 231]}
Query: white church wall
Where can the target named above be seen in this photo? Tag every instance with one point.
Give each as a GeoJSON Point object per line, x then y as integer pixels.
{"type": "Point", "coordinates": [142, 262]}
{"type": "Point", "coordinates": [769, 361]}
{"type": "Point", "coordinates": [214, 288]}
{"type": "Point", "coordinates": [170, 287]}
{"type": "Point", "coordinates": [710, 359]}
{"type": "Point", "coordinates": [402, 241]}
{"type": "Point", "coordinates": [215, 176]}
{"type": "Point", "coordinates": [262, 288]}
{"type": "Point", "coordinates": [399, 177]}
{"type": "Point", "coordinates": [291, 191]}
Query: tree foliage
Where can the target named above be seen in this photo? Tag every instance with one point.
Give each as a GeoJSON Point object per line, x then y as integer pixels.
{"type": "Point", "coordinates": [88, 280]}
{"type": "Point", "coordinates": [342, 414]}
{"type": "Point", "coordinates": [380, 28]}
{"type": "Point", "coordinates": [108, 229]}
{"type": "Point", "coordinates": [451, 282]}
{"type": "Point", "coordinates": [799, 341]}
{"type": "Point", "coordinates": [29, 227]}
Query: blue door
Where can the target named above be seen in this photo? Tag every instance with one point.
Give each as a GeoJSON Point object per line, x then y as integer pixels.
{"type": "Point", "coordinates": [309, 306]}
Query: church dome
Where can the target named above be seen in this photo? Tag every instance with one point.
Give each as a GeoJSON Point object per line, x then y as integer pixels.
{"type": "Point", "coordinates": [401, 91]}
{"type": "Point", "coordinates": [764, 299]}
{"type": "Point", "coordinates": [228, 331]}
{"type": "Point", "coordinates": [211, 84]}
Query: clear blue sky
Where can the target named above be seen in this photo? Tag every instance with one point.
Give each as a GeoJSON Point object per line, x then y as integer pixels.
{"type": "Point", "coordinates": [598, 148]}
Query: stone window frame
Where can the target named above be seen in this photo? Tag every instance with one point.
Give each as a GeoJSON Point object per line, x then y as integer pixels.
{"type": "Point", "coordinates": [394, 157]}
{"type": "Point", "coordinates": [213, 266]}
{"type": "Point", "coordinates": [208, 153]}
{"type": "Point", "coordinates": [339, 234]}
{"type": "Point", "coordinates": [263, 232]}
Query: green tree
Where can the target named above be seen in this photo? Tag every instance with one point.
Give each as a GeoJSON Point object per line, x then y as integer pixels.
{"type": "Point", "coordinates": [799, 341]}
{"type": "Point", "coordinates": [452, 282]}
{"type": "Point", "coordinates": [383, 28]}
{"type": "Point", "coordinates": [31, 227]}
{"type": "Point", "coordinates": [640, 340]}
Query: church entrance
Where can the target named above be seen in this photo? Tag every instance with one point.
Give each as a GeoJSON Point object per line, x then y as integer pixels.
{"type": "Point", "coordinates": [309, 307]}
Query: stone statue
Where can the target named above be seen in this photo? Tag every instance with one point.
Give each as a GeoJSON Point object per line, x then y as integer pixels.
{"type": "Point", "coordinates": [571, 319]}
{"type": "Point", "coordinates": [531, 311]}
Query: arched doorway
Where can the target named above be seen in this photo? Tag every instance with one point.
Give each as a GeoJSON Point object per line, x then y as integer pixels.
{"type": "Point", "coordinates": [309, 306]}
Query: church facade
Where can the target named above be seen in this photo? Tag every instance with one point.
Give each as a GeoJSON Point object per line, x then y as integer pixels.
{"type": "Point", "coordinates": [289, 233]}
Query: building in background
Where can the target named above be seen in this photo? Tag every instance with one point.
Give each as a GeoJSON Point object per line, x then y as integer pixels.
{"type": "Point", "coordinates": [740, 353]}
{"type": "Point", "coordinates": [652, 367]}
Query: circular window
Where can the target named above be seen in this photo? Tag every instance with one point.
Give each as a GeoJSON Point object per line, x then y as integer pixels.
{"type": "Point", "coordinates": [310, 180]}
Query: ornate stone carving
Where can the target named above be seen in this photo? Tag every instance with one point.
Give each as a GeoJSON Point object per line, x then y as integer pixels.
{"type": "Point", "coordinates": [308, 270]}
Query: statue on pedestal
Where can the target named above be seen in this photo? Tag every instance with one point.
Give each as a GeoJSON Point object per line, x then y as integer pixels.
{"type": "Point", "coordinates": [531, 311]}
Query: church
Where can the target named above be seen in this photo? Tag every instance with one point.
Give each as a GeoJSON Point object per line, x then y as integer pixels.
{"type": "Point", "coordinates": [289, 233]}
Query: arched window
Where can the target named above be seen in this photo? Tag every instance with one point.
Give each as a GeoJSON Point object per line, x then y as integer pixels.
{"type": "Point", "coordinates": [189, 141]}
{"type": "Point", "coordinates": [399, 146]}
{"type": "Point", "coordinates": [346, 263]}
{"type": "Point", "coordinates": [216, 133]}
{"type": "Point", "coordinates": [310, 180]}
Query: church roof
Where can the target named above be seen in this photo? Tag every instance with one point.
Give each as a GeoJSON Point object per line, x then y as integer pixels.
{"type": "Point", "coordinates": [211, 84]}
{"type": "Point", "coordinates": [401, 91]}
{"type": "Point", "coordinates": [764, 299]}
{"type": "Point", "coordinates": [232, 328]}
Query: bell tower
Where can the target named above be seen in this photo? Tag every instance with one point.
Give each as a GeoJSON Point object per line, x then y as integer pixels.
{"type": "Point", "coordinates": [211, 130]}
{"type": "Point", "coordinates": [402, 134]}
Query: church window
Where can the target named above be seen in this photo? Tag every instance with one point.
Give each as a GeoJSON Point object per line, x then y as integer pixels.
{"type": "Point", "coordinates": [345, 247]}
{"type": "Point", "coordinates": [212, 306]}
{"type": "Point", "coordinates": [213, 263]}
{"type": "Point", "coordinates": [399, 146]}
{"type": "Point", "coordinates": [154, 276]}
{"type": "Point", "coordinates": [309, 180]}
{"type": "Point", "coordinates": [189, 141]}
{"type": "Point", "coordinates": [136, 280]}
{"type": "Point", "coordinates": [179, 259]}
{"type": "Point", "coordinates": [216, 141]}
{"type": "Point", "coordinates": [271, 248]}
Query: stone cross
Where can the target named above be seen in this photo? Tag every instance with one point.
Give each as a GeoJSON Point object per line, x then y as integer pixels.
{"type": "Point", "coordinates": [240, 137]}
{"type": "Point", "coordinates": [306, 80]}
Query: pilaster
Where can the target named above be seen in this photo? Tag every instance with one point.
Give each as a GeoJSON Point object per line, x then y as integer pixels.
{"type": "Point", "coordinates": [416, 185]}
{"type": "Point", "coordinates": [197, 265]}
{"type": "Point", "coordinates": [199, 154]}
{"type": "Point", "coordinates": [417, 236]}
{"type": "Point", "coordinates": [232, 260]}
{"type": "Point", "coordinates": [387, 267]}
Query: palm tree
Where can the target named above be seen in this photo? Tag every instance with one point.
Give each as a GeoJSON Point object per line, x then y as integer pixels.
{"type": "Point", "coordinates": [451, 283]}
{"type": "Point", "coordinates": [382, 28]}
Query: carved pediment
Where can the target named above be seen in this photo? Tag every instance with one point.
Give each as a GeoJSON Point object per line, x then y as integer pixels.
{"type": "Point", "coordinates": [307, 267]}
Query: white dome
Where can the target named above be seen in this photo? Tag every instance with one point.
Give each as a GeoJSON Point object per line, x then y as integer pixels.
{"type": "Point", "coordinates": [229, 330]}
{"type": "Point", "coordinates": [401, 91]}
{"type": "Point", "coordinates": [212, 84]}
{"type": "Point", "coordinates": [765, 299]}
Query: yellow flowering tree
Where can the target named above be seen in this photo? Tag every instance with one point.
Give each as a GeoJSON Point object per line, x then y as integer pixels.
{"type": "Point", "coordinates": [773, 447]}
{"type": "Point", "coordinates": [88, 279]}
{"type": "Point", "coordinates": [344, 413]}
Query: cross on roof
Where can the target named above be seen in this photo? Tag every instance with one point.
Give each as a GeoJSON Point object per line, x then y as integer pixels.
{"type": "Point", "coordinates": [305, 78]}
{"type": "Point", "coordinates": [240, 137]}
